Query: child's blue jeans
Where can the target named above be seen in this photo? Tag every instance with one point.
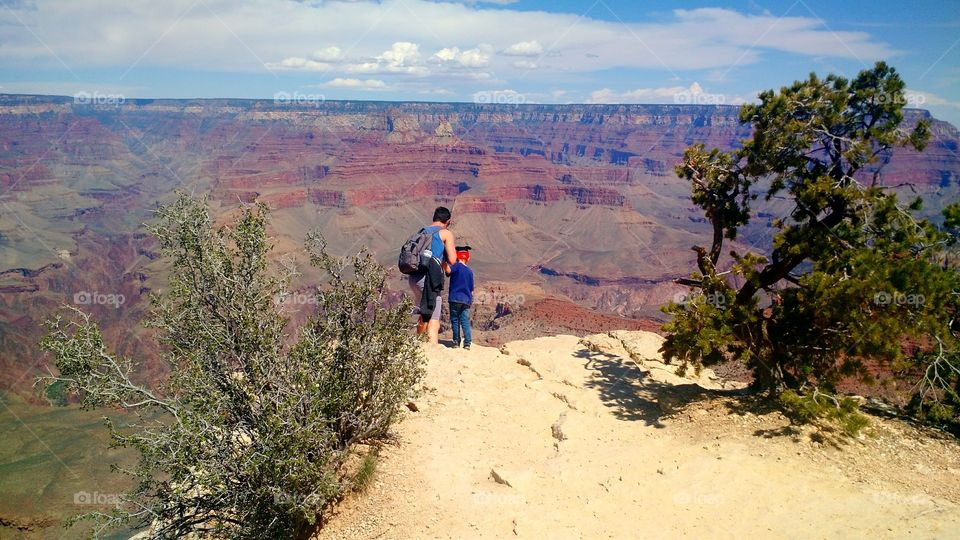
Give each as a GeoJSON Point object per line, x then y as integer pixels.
{"type": "Point", "coordinates": [460, 318]}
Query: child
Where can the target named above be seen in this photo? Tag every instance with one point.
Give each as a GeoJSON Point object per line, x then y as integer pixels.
{"type": "Point", "coordinates": [461, 296]}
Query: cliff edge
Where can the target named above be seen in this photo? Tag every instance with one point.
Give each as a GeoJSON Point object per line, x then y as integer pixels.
{"type": "Point", "coordinates": [566, 437]}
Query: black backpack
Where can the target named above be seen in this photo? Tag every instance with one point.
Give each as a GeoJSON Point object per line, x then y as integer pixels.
{"type": "Point", "coordinates": [409, 261]}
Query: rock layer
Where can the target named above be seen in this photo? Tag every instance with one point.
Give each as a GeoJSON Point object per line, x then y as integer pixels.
{"type": "Point", "coordinates": [580, 200]}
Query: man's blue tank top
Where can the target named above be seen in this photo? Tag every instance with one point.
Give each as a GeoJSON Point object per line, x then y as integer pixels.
{"type": "Point", "coordinates": [436, 245]}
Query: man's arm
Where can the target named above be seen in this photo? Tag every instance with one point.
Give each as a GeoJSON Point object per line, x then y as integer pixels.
{"type": "Point", "coordinates": [449, 245]}
{"type": "Point", "coordinates": [471, 281]}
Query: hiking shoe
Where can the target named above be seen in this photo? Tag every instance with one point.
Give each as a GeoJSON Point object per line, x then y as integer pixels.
{"type": "Point", "coordinates": [467, 346]}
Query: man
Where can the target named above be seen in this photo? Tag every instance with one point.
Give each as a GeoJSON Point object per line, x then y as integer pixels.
{"type": "Point", "coordinates": [442, 252]}
{"type": "Point", "coordinates": [461, 297]}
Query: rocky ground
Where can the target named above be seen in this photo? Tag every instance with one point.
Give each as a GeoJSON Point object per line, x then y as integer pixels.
{"type": "Point", "coordinates": [567, 437]}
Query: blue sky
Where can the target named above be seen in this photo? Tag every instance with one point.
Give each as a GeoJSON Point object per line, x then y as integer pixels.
{"type": "Point", "coordinates": [525, 51]}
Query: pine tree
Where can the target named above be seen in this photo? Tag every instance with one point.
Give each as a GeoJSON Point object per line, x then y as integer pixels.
{"type": "Point", "coordinates": [852, 271]}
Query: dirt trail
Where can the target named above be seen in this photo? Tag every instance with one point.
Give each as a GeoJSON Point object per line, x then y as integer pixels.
{"type": "Point", "coordinates": [560, 437]}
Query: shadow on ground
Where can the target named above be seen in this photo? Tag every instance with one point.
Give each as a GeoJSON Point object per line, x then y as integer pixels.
{"type": "Point", "coordinates": [626, 389]}
{"type": "Point", "coordinates": [762, 405]}
{"type": "Point", "coordinates": [634, 395]}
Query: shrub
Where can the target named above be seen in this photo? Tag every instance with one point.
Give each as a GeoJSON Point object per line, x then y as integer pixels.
{"type": "Point", "coordinates": [247, 436]}
{"type": "Point", "coordinates": [815, 407]}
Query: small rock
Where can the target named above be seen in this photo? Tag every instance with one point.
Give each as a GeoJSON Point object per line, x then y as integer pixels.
{"type": "Point", "coordinates": [499, 479]}
{"type": "Point", "coordinates": [526, 363]}
{"type": "Point", "coordinates": [557, 428]}
{"type": "Point", "coordinates": [413, 406]}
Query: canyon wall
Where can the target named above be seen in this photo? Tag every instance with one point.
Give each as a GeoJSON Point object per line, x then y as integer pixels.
{"type": "Point", "coordinates": [578, 201]}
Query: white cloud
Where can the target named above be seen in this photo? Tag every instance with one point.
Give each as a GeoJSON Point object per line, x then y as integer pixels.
{"type": "Point", "coordinates": [301, 64]}
{"type": "Point", "coordinates": [328, 54]}
{"type": "Point", "coordinates": [403, 57]}
{"type": "Point", "coordinates": [524, 64]}
{"type": "Point", "coordinates": [524, 48]}
{"type": "Point", "coordinates": [640, 95]}
{"type": "Point", "coordinates": [447, 54]}
{"type": "Point", "coordinates": [471, 58]}
{"type": "Point", "coordinates": [919, 99]}
{"type": "Point", "coordinates": [401, 53]}
{"type": "Point", "coordinates": [678, 95]}
{"type": "Point", "coordinates": [368, 84]}
{"type": "Point", "coordinates": [234, 36]}
{"type": "Point", "coordinates": [414, 45]}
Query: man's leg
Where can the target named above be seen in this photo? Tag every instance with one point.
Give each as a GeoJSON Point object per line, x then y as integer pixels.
{"type": "Point", "coordinates": [416, 287]}
{"type": "Point", "coordinates": [433, 327]}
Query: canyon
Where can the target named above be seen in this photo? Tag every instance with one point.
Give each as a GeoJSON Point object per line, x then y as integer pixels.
{"type": "Point", "coordinates": [575, 216]}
